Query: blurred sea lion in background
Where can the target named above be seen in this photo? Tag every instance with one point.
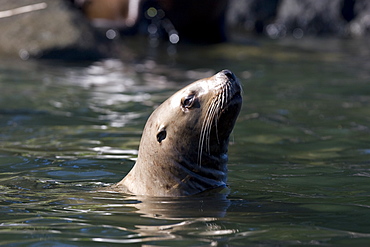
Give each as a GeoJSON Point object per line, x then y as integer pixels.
{"type": "Point", "coordinates": [193, 20]}
{"type": "Point", "coordinates": [111, 13]}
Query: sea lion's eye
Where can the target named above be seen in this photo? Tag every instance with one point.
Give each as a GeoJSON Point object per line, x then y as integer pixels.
{"type": "Point", "coordinates": [188, 101]}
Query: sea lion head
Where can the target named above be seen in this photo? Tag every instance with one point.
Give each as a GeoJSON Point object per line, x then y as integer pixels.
{"type": "Point", "coordinates": [183, 150]}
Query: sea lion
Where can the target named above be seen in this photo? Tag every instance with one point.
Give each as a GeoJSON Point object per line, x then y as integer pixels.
{"type": "Point", "coordinates": [183, 149]}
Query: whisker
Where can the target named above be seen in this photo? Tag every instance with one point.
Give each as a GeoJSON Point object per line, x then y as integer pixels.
{"type": "Point", "coordinates": [212, 116]}
{"type": "Point", "coordinates": [203, 134]}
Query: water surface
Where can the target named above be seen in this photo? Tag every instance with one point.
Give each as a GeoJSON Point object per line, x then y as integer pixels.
{"type": "Point", "coordinates": [298, 160]}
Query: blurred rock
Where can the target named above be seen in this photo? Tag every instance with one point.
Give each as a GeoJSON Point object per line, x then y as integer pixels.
{"type": "Point", "coordinates": [297, 18]}
{"type": "Point", "coordinates": [47, 29]}
{"type": "Point", "coordinates": [360, 25]}
{"type": "Point", "coordinates": [310, 17]}
{"type": "Point", "coordinates": [197, 21]}
{"type": "Point", "coordinates": [252, 15]}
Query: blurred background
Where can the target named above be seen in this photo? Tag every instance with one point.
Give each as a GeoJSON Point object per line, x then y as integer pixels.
{"type": "Point", "coordinates": [84, 29]}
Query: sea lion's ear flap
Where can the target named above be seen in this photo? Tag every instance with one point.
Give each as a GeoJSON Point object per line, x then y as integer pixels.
{"type": "Point", "coordinates": [161, 134]}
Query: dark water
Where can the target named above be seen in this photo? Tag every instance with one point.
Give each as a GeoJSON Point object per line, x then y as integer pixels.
{"type": "Point", "coordinates": [299, 160]}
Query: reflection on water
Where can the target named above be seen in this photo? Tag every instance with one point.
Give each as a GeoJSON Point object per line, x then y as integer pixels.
{"type": "Point", "coordinates": [299, 159]}
{"type": "Point", "coordinates": [176, 217]}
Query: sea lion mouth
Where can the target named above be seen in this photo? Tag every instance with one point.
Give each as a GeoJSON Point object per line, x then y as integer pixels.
{"type": "Point", "coordinates": [231, 91]}
{"type": "Point", "coordinates": [230, 108]}
{"type": "Point", "coordinates": [235, 100]}
{"type": "Point", "coordinates": [221, 115]}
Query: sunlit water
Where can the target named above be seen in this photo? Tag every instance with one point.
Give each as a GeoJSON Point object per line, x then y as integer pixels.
{"type": "Point", "coordinates": [299, 167]}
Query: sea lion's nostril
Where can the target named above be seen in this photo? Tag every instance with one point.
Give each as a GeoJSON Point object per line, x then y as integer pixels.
{"type": "Point", "coordinates": [229, 74]}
